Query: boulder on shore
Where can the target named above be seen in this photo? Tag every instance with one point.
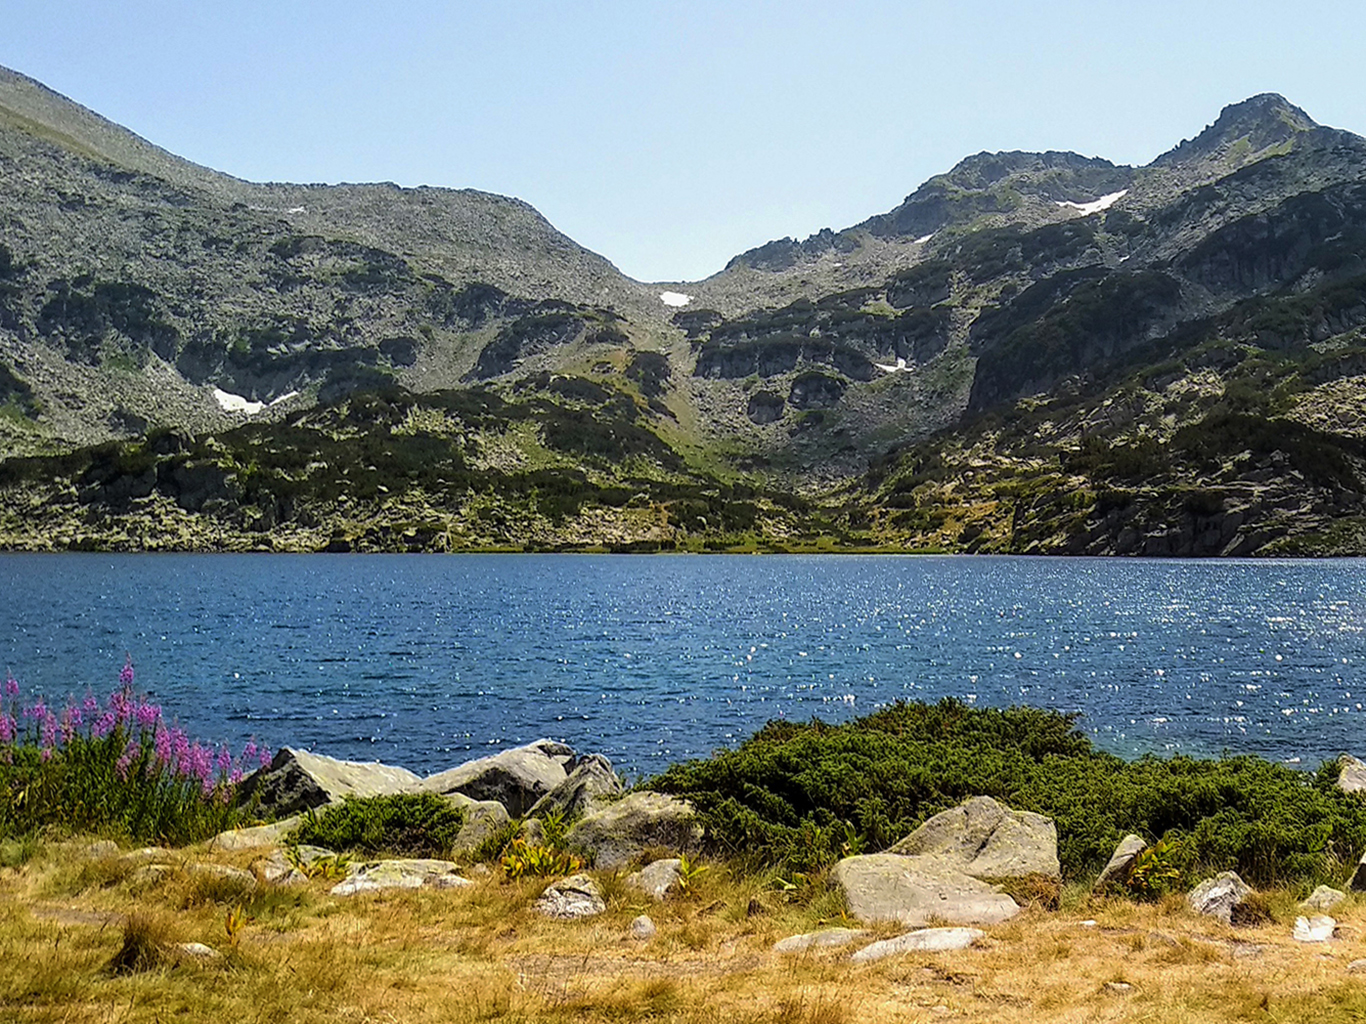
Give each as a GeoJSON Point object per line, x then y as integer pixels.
{"type": "Point", "coordinates": [515, 778]}
{"type": "Point", "coordinates": [589, 787]}
{"type": "Point", "coordinates": [988, 840]}
{"type": "Point", "coordinates": [916, 890]}
{"type": "Point", "coordinates": [299, 780]}
{"type": "Point", "coordinates": [621, 831]}
{"type": "Point", "coordinates": [1352, 777]}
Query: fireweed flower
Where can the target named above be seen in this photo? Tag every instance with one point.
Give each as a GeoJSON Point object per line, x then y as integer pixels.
{"type": "Point", "coordinates": [11, 684]}
{"type": "Point", "coordinates": [126, 675]}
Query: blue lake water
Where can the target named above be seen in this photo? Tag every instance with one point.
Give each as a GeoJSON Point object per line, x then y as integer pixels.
{"type": "Point", "coordinates": [425, 660]}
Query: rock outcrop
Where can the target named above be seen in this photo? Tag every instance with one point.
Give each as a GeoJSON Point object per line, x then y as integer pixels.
{"type": "Point", "coordinates": [917, 890]}
{"type": "Point", "coordinates": [987, 840]}
{"type": "Point", "coordinates": [589, 787]}
{"type": "Point", "coordinates": [1352, 777]}
{"type": "Point", "coordinates": [298, 780]}
{"type": "Point", "coordinates": [515, 778]}
{"type": "Point", "coordinates": [621, 831]}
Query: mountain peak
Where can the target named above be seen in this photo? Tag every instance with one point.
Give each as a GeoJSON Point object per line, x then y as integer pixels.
{"type": "Point", "coordinates": [1257, 124]}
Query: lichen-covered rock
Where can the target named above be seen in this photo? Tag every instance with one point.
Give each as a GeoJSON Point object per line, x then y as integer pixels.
{"type": "Point", "coordinates": [400, 874]}
{"type": "Point", "coordinates": [276, 869]}
{"type": "Point", "coordinates": [642, 928]}
{"type": "Point", "coordinates": [572, 898]}
{"type": "Point", "coordinates": [1117, 869]}
{"type": "Point", "coordinates": [298, 780]}
{"type": "Point", "coordinates": [621, 831]}
{"type": "Point", "coordinates": [221, 873]}
{"type": "Point", "coordinates": [916, 890]}
{"type": "Point", "coordinates": [1219, 896]}
{"type": "Point", "coordinates": [988, 840]}
{"type": "Point", "coordinates": [925, 940]}
{"type": "Point", "coordinates": [254, 837]}
{"type": "Point", "coordinates": [657, 877]}
{"type": "Point", "coordinates": [590, 786]}
{"type": "Point", "coordinates": [1325, 897]}
{"type": "Point", "coordinates": [482, 819]}
{"type": "Point", "coordinates": [515, 778]}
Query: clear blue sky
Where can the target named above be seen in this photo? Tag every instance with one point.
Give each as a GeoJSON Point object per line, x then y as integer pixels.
{"type": "Point", "coordinates": [670, 136]}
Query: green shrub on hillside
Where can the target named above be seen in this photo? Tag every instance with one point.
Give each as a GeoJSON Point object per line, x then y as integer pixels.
{"type": "Point", "coordinates": [803, 795]}
{"type": "Point", "coordinates": [405, 824]}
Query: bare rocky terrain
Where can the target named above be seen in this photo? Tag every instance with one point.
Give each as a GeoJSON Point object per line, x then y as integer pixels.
{"type": "Point", "coordinates": [1033, 352]}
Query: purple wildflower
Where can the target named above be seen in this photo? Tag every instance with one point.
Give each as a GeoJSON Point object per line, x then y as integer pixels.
{"type": "Point", "coordinates": [7, 727]}
{"type": "Point", "coordinates": [146, 714]}
{"type": "Point", "coordinates": [249, 751]}
{"type": "Point", "coordinates": [265, 756]}
{"type": "Point", "coordinates": [90, 705]}
{"type": "Point", "coordinates": [11, 684]}
{"type": "Point", "coordinates": [126, 674]}
{"type": "Point", "coordinates": [224, 760]}
{"type": "Point", "coordinates": [126, 759]}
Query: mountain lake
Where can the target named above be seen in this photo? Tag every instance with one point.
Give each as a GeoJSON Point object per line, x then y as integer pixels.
{"type": "Point", "coordinates": [428, 660]}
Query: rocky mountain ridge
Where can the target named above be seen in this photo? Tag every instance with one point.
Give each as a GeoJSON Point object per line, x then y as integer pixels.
{"type": "Point", "coordinates": [987, 328]}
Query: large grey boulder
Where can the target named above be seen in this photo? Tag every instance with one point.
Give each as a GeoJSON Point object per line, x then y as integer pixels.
{"type": "Point", "coordinates": [1117, 869]}
{"type": "Point", "coordinates": [572, 898]}
{"type": "Point", "coordinates": [916, 890]}
{"type": "Point", "coordinates": [1220, 896]}
{"type": "Point", "coordinates": [988, 840]}
{"type": "Point", "coordinates": [515, 778]}
{"type": "Point", "coordinates": [590, 786]}
{"type": "Point", "coordinates": [299, 780]}
{"type": "Point", "coordinates": [926, 940]}
{"type": "Point", "coordinates": [1352, 778]}
{"type": "Point", "coordinates": [621, 831]}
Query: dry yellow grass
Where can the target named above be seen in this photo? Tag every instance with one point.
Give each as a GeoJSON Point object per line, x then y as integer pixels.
{"type": "Point", "coordinates": [482, 954]}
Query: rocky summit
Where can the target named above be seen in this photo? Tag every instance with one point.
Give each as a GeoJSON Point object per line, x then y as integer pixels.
{"type": "Point", "coordinates": [1033, 352]}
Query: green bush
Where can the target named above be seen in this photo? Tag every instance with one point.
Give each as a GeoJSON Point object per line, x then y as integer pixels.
{"type": "Point", "coordinates": [405, 824]}
{"type": "Point", "coordinates": [802, 795]}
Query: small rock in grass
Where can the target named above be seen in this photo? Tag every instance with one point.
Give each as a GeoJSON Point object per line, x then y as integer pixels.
{"type": "Point", "coordinates": [1120, 861]}
{"type": "Point", "coordinates": [277, 870]}
{"type": "Point", "coordinates": [254, 836]}
{"type": "Point", "coordinates": [572, 898]}
{"type": "Point", "coordinates": [924, 940]}
{"type": "Point", "coordinates": [643, 928]}
{"type": "Point", "coordinates": [1357, 966]}
{"type": "Point", "coordinates": [101, 848]}
{"type": "Point", "coordinates": [224, 872]}
{"type": "Point", "coordinates": [1220, 896]}
{"type": "Point", "coordinates": [1314, 929]}
{"type": "Point", "coordinates": [826, 938]}
{"type": "Point", "coordinates": [199, 951]}
{"type": "Point", "coordinates": [1325, 897]}
{"type": "Point", "coordinates": [657, 877]}
{"type": "Point", "coordinates": [1118, 988]}
{"type": "Point", "coordinates": [399, 874]}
